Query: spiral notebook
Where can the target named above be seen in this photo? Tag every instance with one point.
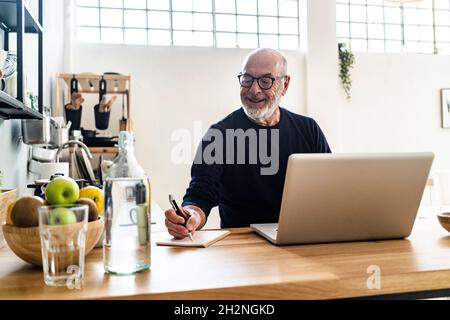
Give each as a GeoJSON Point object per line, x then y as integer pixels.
{"type": "Point", "coordinates": [203, 238]}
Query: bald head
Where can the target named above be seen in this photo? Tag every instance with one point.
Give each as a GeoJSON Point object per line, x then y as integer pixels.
{"type": "Point", "coordinates": [270, 58]}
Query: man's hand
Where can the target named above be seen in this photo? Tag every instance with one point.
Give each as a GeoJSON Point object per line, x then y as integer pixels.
{"type": "Point", "coordinates": [176, 224]}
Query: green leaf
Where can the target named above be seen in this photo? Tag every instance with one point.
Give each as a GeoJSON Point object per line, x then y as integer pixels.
{"type": "Point", "coordinates": [346, 61]}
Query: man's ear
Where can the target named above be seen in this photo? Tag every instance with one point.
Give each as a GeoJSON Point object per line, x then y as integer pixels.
{"type": "Point", "coordinates": [287, 79]}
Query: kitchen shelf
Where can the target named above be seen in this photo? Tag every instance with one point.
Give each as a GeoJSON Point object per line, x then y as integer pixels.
{"type": "Point", "coordinates": [88, 83]}
{"type": "Point", "coordinates": [95, 150]}
{"type": "Point", "coordinates": [16, 17]}
{"type": "Point", "coordinates": [11, 108]}
{"type": "Point", "coordinates": [8, 17]}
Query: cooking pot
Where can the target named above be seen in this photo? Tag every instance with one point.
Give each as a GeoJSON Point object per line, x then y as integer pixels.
{"type": "Point", "coordinates": [37, 131]}
{"type": "Point", "coordinates": [89, 134]}
{"type": "Point", "coordinates": [60, 135]}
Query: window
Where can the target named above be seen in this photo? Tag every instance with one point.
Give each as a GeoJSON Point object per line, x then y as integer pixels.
{"type": "Point", "coordinates": [209, 23]}
{"type": "Point", "coordinates": [383, 26]}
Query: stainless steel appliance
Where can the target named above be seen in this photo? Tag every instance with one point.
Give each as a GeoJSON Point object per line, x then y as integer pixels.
{"type": "Point", "coordinates": [48, 137]}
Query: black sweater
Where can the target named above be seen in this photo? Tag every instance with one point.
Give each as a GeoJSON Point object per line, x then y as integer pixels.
{"type": "Point", "coordinates": [249, 192]}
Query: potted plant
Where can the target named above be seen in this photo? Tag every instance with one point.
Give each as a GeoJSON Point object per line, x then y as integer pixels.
{"type": "Point", "coordinates": [346, 61]}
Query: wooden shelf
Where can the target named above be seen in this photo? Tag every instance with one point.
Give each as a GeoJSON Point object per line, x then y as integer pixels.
{"type": "Point", "coordinates": [89, 82]}
{"type": "Point", "coordinates": [107, 91]}
{"type": "Point", "coordinates": [93, 76]}
{"type": "Point", "coordinates": [100, 149]}
{"type": "Point", "coordinates": [11, 108]}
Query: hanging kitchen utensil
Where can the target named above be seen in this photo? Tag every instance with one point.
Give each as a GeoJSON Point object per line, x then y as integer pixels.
{"type": "Point", "coordinates": [73, 85]}
{"type": "Point", "coordinates": [73, 114]}
{"type": "Point", "coordinates": [99, 169]}
{"type": "Point", "coordinates": [109, 104]}
{"type": "Point", "coordinates": [101, 116]}
{"type": "Point", "coordinates": [102, 90]}
{"type": "Point", "coordinates": [123, 121]}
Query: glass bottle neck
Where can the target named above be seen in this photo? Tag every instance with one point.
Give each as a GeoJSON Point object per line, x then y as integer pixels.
{"type": "Point", "coordinates": [126, 139]}
{"type": "Point", "coordinates": [126, 164]}
{"type": "Point", "coordinates": [126, 151]}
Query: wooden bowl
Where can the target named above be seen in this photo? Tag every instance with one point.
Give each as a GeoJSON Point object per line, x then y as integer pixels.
{"type": "Point", "coordinates": [444, 220]}
{"type": "Point", "coordinates": [7, 197]}
{"type": "Point", "coordinates": [26, 242]}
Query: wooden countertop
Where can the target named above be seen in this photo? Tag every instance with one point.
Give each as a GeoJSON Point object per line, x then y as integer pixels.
{"type": "Point", "coordinates": [245, 266]}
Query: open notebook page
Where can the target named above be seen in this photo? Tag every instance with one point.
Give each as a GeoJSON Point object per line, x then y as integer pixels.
{"type": "Point", "coordinates": [203, 238]}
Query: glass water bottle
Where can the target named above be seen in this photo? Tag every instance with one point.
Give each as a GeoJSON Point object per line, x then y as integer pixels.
{"type": "Point", "coordinates": [126, 244]}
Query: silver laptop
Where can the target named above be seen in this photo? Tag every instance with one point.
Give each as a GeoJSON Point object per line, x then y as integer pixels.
{"type": "Point", "coordinates": [349, 197]}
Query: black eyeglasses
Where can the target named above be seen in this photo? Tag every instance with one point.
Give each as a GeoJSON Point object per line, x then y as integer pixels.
{"type": "Point", "coordinates": [265, 82]}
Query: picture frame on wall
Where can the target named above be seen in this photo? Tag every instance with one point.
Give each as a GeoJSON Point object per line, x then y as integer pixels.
{"type": "Point", "coordinates": [445, 105]}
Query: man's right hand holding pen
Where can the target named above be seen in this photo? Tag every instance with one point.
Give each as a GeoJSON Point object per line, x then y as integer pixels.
{"type": "Point", "coordinates": [178, 227]}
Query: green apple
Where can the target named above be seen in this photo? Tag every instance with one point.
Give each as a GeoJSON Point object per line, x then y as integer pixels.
{"type": "Point", "coordinates": [62, 190]}
{"type": "Point", "coordinates": [61, 216]}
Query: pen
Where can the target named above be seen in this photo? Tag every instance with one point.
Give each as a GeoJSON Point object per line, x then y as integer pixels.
{"type": "Point", "coordinates": [180, 213]}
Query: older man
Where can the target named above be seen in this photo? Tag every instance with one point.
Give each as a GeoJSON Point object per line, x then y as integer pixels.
{"type": "Point", "coordinates": [241, 163]}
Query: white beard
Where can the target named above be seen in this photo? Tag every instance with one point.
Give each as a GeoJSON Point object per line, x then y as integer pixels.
{"type": "Point", "coordinates": [260, 114]}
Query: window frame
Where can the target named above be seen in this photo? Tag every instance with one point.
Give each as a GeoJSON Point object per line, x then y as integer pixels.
{"type": "Point", "coordinates": [257, 35]}
{"type": "Point", "coordinates": [430, 44]}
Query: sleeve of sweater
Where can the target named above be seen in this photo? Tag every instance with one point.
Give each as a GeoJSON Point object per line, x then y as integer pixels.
{"type": "Point", "coordinates": [206, 172]}
{"type": "Point", "coordinates": [321, 143]}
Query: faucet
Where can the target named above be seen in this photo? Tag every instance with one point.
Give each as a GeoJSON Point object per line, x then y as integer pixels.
{"type": "Point", "coordinates": [81, 144]}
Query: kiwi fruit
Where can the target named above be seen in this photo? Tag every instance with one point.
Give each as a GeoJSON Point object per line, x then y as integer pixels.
{"type": "Point", "coordinates": [93, 211]}
{"type": "Point", "coordinates": [24, 212]}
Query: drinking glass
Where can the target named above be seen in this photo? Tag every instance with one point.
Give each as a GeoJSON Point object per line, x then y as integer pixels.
{"type": "Point", "coordinates": [63, 237]}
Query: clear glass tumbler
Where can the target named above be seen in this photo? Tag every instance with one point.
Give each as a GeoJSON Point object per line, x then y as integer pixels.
{"type": "Point", "coordinates": [63, 238]}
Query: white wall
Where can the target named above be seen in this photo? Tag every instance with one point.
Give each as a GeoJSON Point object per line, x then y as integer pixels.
{"type": "Point", "coordinates": [396, 105]}
{"type": "Point", "coordinates": [55, 32]}
{"type": "Point", "coordinates": [172, 88]}
{"type": "Point", "coordinates": [322, 82]}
